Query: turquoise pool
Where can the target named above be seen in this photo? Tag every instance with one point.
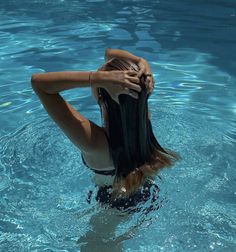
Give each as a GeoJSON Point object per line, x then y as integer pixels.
{"type": "Point", "coordinates": [43, 183]}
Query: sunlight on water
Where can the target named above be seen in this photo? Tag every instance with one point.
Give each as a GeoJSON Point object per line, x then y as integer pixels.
{"type": "Point", "coordinates": [43, 183]}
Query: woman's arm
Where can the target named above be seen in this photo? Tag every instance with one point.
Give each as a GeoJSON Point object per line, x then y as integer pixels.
{"type": "Point", "coordinates": [55, 82]}
{"type": "Point", "coordinates": [122, 54]}
{"type": "Point", "coordinates": [83, 133]}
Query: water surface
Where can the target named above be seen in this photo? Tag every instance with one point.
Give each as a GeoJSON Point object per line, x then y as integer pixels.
{"type": "Point", "coordinates": [43, 183]}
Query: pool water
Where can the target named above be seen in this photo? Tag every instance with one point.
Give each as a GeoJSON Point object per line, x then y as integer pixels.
{"type": "Point", "coordinates": [43, 184]}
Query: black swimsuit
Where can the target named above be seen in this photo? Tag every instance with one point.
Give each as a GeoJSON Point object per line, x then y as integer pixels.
{"type": "Point", "coordinates": [102, 172]}
{"type": "Point", "coordinates": [148, 191]}
{"type": "Point", "coordinates": [104, 193]}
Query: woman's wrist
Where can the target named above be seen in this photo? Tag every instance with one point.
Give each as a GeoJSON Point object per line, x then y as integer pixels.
{"type": "Point", "coordinates": [97, 78]}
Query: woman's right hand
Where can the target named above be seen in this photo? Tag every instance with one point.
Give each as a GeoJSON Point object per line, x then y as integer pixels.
{"type": "Point", "coordinates": [120, 82]}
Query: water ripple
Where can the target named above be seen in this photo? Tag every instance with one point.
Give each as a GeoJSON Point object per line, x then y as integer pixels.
{"type": "Point", "coordinates": [43, 185]}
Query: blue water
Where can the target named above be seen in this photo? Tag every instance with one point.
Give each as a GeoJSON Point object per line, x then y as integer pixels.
{"type": "Point", "coordinates": [43, 184]}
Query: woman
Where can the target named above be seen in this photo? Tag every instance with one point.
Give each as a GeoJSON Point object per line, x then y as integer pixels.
{"type": "Point", "coordinates": [123, 153]}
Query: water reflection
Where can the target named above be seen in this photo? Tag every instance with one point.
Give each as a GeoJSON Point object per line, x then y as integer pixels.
{"type": "Point", "coordinates": [101, 235]}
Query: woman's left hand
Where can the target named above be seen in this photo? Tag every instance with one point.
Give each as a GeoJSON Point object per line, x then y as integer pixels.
{"type": "Point", "coordinates": [145, 69]}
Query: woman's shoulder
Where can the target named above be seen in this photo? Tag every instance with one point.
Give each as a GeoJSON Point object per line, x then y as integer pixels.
{"type": "Point", "coordinates": [100, 161]}
{"type": "Point", "coordinates": [99, 158]}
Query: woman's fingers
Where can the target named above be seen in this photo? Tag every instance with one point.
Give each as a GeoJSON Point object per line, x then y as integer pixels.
{"type": "Point", "coordinates": [134, 80]}
{"type": "Point", "coordinates": [131, 73]}
{"type": "Point", "coordinates": [149, 83]}
{"type": "Point", "coordinates": [141, 72]}
{"type": "Point", "coordinates": [141, 69]}
{"type": "Point", "coordinates": [132, 86]}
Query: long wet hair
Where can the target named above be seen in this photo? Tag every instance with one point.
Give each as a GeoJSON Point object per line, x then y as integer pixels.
{"type": "Point", "coordinates": [135, 151]}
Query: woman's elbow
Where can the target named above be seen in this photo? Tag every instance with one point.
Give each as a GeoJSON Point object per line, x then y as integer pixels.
{"type": "Point", "coordinates": [35, 81]}
{"type": "Point", "coordinates": [108, 53]}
